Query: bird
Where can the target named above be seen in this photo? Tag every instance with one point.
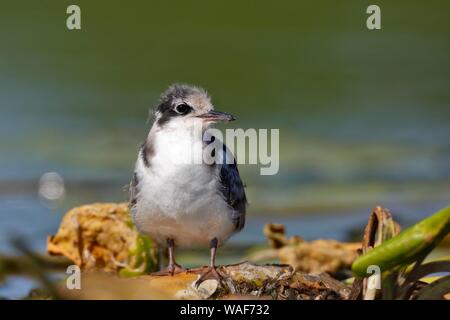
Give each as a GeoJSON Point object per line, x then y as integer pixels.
{"type": "Point", "coordinates": [179, 203]}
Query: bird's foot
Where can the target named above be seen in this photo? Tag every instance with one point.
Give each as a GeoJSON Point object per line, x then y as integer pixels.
{"type": "Point", "coordinates": [170, 270]}
{"type": "Point", "coordinates": [211, 273]}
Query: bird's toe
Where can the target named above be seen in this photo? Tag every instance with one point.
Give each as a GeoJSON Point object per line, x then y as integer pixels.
{"type": "Point", "coordinates": [210, 274]}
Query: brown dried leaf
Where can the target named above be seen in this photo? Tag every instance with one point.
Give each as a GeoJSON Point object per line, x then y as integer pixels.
{"type": "Point", "coordinates": [319, 256]}
{"type": "Point", "coordinates": [96, 236]}
{"type": "Point", "coordinates": [276, 236]}
{"type": "Point", "coordinates": [380, 227]}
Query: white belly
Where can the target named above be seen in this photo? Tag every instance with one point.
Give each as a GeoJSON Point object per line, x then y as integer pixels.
{"type": "Point", "coordinates": [182, 202]}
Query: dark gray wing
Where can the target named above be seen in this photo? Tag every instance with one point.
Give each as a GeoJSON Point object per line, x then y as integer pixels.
{"type": "Point", "coordinates": [232, 189]}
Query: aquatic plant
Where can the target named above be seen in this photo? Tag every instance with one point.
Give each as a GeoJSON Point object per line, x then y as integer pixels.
{"type": "Point", "coordinates": [392, 264]}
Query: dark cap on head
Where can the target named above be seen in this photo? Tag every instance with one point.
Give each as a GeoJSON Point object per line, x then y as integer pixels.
{"type": "Point", "coordinates": [181, 100]}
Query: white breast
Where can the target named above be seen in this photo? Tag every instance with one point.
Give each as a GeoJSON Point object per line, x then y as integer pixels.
{"type": "Point", "coordinates": [180, 200]}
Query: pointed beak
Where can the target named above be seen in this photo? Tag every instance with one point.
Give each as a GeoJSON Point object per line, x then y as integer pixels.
{"type": "Point", "coordinates": [217, 116]}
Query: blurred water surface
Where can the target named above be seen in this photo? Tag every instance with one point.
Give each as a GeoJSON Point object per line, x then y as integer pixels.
{"type": "Point", "coordinates": [363, 115]}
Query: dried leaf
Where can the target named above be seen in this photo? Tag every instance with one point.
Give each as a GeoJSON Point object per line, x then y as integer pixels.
{"type": "Point", "coordinates": [427, 269]}
{"type": "Point", "coordinates": [380, 227]}
{"type": "Point", "coordinates": [319, 256]}
{"type": "Point", "coordinates": [102, 236]}
{"type": "Point", "coordinates": [436, 290]}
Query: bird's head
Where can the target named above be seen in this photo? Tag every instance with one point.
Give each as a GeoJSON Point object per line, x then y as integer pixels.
{"type": "Point", "coordinates": [186, 106]}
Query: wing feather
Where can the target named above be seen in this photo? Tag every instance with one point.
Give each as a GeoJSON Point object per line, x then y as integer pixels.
{"type": "Point", "coordinates": [232, 189]}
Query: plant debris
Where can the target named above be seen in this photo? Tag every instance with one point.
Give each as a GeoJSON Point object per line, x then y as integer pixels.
{"type": "Point", "coordinates": [318, 256]}
{"type": "Point", "coordinates": [101, 236]}
{"type": "Point", "coordinates": [392, 261]}
{"type": "Point", "coordinates": [244, 280]}
{"type": "Point", "coordinates": [101, 239]}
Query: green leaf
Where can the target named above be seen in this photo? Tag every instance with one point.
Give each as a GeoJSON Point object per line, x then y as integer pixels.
{"type": "Point", "coordinates": [145, 258]}
{"type": "Point", "coordinates": [408, 246]}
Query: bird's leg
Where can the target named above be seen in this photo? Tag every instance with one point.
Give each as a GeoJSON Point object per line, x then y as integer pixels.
{"type": "Point", "coordinates": [211, 272]}
{"type": "Point", "coordinates": [173, 267]}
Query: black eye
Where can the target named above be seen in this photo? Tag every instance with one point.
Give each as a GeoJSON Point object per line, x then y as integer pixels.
{"type": "Point", "coordinates": [183, 108]}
